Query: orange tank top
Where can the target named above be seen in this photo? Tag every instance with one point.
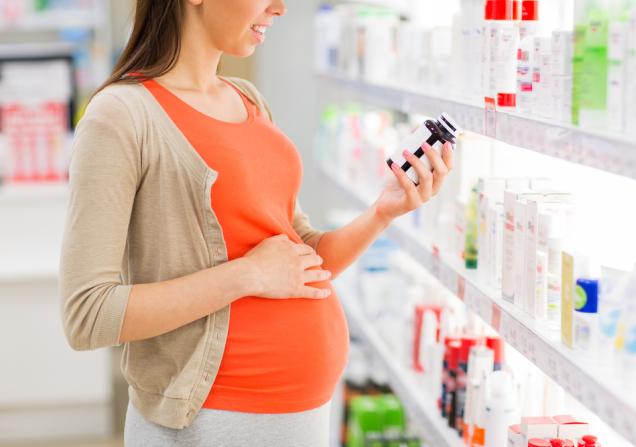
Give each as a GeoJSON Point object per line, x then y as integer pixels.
{"type": "Point", "coordinates": [281, 356]}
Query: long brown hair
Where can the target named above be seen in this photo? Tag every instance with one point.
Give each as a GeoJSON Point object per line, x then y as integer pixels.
{"type": "Point", "coordinates": [154, 44]}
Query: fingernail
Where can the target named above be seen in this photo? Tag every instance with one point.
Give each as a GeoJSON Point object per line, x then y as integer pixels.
{"type": "Point", "coordinates": [406, 154]}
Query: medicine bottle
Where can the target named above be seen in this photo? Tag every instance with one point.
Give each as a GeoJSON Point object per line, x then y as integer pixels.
{"type": "Point", "coordinates": [435, 133]}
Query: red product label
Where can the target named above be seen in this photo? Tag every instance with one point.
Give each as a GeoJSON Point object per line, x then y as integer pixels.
{"type": "Point", "coordinates": [530, 10]}
{"type": "Point", "coordinates": [526, 87]}
{"type": "Point", "coordinates": [417, 330]}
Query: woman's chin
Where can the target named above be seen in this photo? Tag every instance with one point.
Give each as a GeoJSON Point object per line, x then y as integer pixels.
{"type": "Point", "coordinates": [244, 51]}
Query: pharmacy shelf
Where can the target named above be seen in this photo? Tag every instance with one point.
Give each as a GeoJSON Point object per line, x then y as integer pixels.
{"type": "Point", "coordinates": [29, 271]}
{"type": "Point", "coordinates": [400, 6]}
{"type": "Point", "coordinates": [22, 193]}
{"type": "Point", "coordinates": [31, 231]}
{"type": "Point", "coordinates": [607, 152]}
{"type": "Point", "coordinates": [419, 406]}
{"type": "Point", "coordinates": [597, 385]}
{"type": "Point", "coordinates": [54, 20]}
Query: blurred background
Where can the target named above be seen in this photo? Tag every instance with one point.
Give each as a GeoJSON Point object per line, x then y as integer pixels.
{"type": "Point", "coordinates": [347, 81]}
{"type": "Point", "coordinates": [53, 55]}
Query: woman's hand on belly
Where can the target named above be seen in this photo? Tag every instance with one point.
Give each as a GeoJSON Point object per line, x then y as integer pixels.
{"type": "Point", "coordinates": [282, 268]}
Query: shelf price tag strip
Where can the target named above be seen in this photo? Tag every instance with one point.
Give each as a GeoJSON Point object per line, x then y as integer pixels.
{"type": "Point", "coordinates": [611, 154]}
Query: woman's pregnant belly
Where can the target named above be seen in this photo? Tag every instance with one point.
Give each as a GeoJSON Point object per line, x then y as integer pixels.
{"type": "Point", "coordinates": [281, 355]}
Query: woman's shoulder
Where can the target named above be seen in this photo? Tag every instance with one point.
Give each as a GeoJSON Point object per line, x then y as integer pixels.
{"type": "Point", "coordinates": [250, 90]}
{"type": "Point", "coordinates": [115, 102]}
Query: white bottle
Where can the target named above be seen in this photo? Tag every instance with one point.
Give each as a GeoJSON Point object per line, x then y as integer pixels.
{"type": "Point", "coordinates": [501, 41]}
{"type": "Point", "coordinates": [525, 99]}
{"type": "Point", "coordinates": [431, 353]}
{"type": "Point", "coordinates": [553, 310]}
{"type": "Point", "coordinates": [327, 32]}
{"type": "Point", "coordinates": [610, 307]}
{"type": "Point", "coordinates": [630, 67]}
{"type": "Point", "coordinates": [496, 229]}
{"type": "Point", "coordinates": [462, 30]}
{"type": "Point", "coordinates": [500, 409]}
{"type": "Point", "coordinates": [480, 363]}
{"type": "Point", "coordinates": [586, 315]}
{"type": "Point", "coordinates": [628, 320]}
{"type": "Point", "coordinates": [486, 35]}
{"type": "Point", "coordinates": [561, 81]}
{"type": "Point", "coordinates": [504, 67]}
{"type": "Point", "coordinates": [476, 54]}
{"type": "Point", "coordinates": [520, 254]}
{"type": "Point", "coordinates": [554, 402]}
{"type": "Point", "coordinates": [617, 69]}
{"type": "Point", "coordinates": [435, 133]}
{"type": "Point", "coordinates": [379, 54]}
{"type": "Point", "coordinates": [490, 190]}
{"type": "Point", "coordinates": [541, 286]}
{"type": "Point", "coordinates": [541, 76]}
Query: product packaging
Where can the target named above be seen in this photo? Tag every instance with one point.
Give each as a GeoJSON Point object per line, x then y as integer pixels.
{"type": "Point", "coordinates": [586, 315]}
{"type": "Point", "coordinates": [610, 306]}
{"type": "Point", "coordinates": [515, 438]}
{"type": "Point", "coordinates": [480, 364]}
{"type": "Point", "coordinates": [571, 427]}
{"type": "Point", "coordinates": [500, 410]}
{"type": "Point", "coordinates": [513, 244]}
{"type": "Point", "coordinates": [574, 266]}
{"type": "Point", "coordinates": [538, 427]}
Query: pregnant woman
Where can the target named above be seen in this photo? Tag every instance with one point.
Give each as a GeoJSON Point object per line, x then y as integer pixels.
{"type": "Point", "coordinates": [185, 242]}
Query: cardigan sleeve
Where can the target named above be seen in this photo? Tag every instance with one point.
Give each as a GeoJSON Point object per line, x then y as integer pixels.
{"type": "Point", "coordinates": [104, 175]}
{"type": "Point", "coordinates": [305, 230]}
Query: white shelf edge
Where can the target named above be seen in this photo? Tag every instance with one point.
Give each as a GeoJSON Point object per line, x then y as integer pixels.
{"type": "Point", "coordinates": [54, 21]}
{"type": "Point", "coordinates": [25, 193]}
{"type": "Point", "coordinates": [598, 388]}
{"type": "Point", "coordinates": [400, 6]}
{"type": "Point", "coordinates": [611, 153]}
{"type": "Point", "coordinates": [419, 407]}
{"type": "Point", "coordinates": [24, 276]}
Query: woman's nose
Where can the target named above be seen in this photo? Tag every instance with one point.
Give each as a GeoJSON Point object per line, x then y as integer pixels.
{"type": "Point", "coordinates": [277, 8]}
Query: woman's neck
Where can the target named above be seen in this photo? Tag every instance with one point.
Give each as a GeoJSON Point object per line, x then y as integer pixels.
{"type": "Point", "coordinates": [197, 63]}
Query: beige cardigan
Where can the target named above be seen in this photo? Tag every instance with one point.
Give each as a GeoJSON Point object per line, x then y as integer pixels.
{"type": "Point", "coordinates": [140, 212]}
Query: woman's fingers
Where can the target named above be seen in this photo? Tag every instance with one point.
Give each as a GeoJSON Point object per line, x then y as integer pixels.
{"type": "Point", "coordinates": [311, 260]}
{"type": "Point", "coordinates": [437, 163]}
{"type": "Point", "coordinates": [316, 276]}
{"type": "Point", "coordinates": [448, 156]}
{"type": "Point", "coordinates": [424, 174]}
{"type": "Point", "coordinates": [440, 170]}
{"type": "Point", "coordinates": [405, 182]}
{"type": "Point", "coordinates": [303, 249]}
{"type": "Point", "coordinates": [313, 293]}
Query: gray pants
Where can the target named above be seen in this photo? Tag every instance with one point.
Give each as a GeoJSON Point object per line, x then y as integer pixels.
{"type": "Point", "coordinates": [216, 428]}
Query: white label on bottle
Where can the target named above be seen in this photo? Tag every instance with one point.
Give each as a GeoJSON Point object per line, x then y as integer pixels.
{"type": "Point", "coordinates": [412, 143]}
